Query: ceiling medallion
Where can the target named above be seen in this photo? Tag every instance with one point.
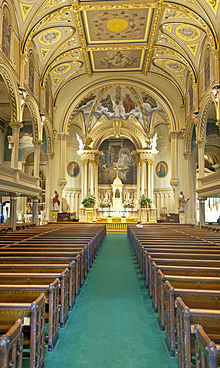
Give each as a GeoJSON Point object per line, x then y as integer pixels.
{"type": "Point", "coordinates": [187, 32]}
{"type": "Point", "coordinates": [62, 69]}
{"type": "Point", "coordinates": [117, 24]}
{"type": "Point", "coordinates": [50, 37]}
{"type": "Point", "coordinates": [174, 66]}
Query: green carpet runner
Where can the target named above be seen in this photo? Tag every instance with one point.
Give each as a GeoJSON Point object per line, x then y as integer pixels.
{"type": "Point", "coordinates": [112, 324]}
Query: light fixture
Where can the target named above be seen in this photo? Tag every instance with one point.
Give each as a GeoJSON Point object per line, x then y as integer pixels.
{"type": "Point", "coordinates": [23, 94]}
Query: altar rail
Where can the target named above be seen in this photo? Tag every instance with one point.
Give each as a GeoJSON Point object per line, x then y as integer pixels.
{"type": "Point", "coordinates": [116, 227]}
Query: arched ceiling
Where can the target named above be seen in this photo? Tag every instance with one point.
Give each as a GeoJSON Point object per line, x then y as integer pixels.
{"type": "Point", "coordinates": [153, 37]}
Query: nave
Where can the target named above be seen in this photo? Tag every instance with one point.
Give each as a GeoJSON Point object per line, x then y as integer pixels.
{"type": "Point", "coordinates": [113, 324]}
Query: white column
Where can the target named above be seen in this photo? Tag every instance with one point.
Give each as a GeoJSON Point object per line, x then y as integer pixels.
{"type": "Point", "coordinates": [138, 180]}
{"type": "Point", "coordinates": [174, 158]}
{"type": "Point", "coordinates": [92, 167]}
{"type": "Point", "coordinates": [15, 145]}
{"type": "Point", "coordinates": [85, 178]}
{"type": "Point", "coordinates": [62, 137]}
{"type": "Point", "coordinates": [77, 205]}
{"type": "Point", "coordinates": [142, 176]}
{"type": "Point", "coordinates": [201, 162]}
{"type": "Point", "coordinates": [96, 181]}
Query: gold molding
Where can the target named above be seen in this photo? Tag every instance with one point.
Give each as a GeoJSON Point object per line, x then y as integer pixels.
{"type": "Point", "coordinates": [81, 35]}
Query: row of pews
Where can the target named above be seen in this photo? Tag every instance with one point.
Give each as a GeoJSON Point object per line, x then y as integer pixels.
{"type": "Point", "coordinates": [41, 272]}
{"type": "Point", "coordinates": [181, 268]}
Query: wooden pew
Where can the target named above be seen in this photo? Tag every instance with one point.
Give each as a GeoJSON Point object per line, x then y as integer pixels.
{"type": "Point", "coordinates": [46, 268]}
{"type": "Point", "coordinates": [45, 260]}
{"type": "Point", "coordinates": [187, 318]}
{"type": "Point", "coordinates": [207, 350]}
{"type": "Point", "coordinates": [33, 330]}
{"type": "Point", "coordinates": [11, 346]}
{"type": "Point", "coordinates": [10, 293]}
{"type": "Point", "coordinates": [188, 261]}
{"type": "Point", "coordinates": [42, 279]}
{"type": "Point", "coordinates": [162, 273]}
{"type": "Point", "coordinates": [195, 298]}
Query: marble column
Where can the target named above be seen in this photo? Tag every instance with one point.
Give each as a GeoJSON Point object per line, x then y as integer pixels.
{"type": "Point", "coordinates": [63, 138]}
{"type": "Point", "coordinates": [35, 211]}
{"type": "Point", "coordinates": [15, 144]}
{"type": "Point", "coordinates": [202, 211]}
{"type": "Point", "coordinates": [85, 178]}
{"type": "Point", "coordinates": [37, 145]}
{"type": "Point", "coordinates": [96, 181]}
{"type": "Point", "coordinates": [174, 158]}
{"type": "Point", "coordinates": [48, 194]}
{"type": "Point", "coordinates": [150, 163]}
{"type": "Point", "coordinates": [142, 176]}
{"type": "Point", "coordinates": [138, 181]}
{"type": "Point", "coordinates": [187, 191]}
{"type": "Point", "coordinates": [92, 176]}
{"type": "Point", "coordinates": [201, 162]}
{"type": "Point", "coordinates": [13, 212]}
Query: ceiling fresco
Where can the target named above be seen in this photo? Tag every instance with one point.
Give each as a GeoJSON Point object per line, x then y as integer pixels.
{"type": "Point", "coordinates": [125, 103]}
{"type": "Point", "coordinates": [75, 38]}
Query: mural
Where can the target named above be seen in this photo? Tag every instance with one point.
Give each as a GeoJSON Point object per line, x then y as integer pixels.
{"type": "Point", "coordinates": [119, 102]}
{"type": "Point", "coordinates": [117, 154]}
{"type": "Point", "coordinates": [161, 169]}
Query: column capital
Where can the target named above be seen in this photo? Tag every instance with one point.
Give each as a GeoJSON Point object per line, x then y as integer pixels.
{"type": "Point", "coordinates": [150, 161]}
{"type": "Point", "coordinates": [16, 125]}
{"type": "Point", "coordinates": [37, 143]}
{"type": "Point", "coordinates": [187, 155]}
{"type": "Point", "coordinates": [50, 155]}
{"type": "Point", "coordinates": [62, 136]}
{"type": "Point", "coordinates": [201, 142]}
{"type": "Point", "coordinates": [174, 133]}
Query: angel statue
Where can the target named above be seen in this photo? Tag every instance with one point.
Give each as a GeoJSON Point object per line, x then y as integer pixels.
{"type": "Point", "coordinates": [81, 145]}
{"type": "Point", "coordinates": [153, 142]}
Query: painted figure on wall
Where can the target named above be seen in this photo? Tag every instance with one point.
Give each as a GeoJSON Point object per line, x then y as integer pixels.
{"type": "Point", "coordinates": [56, 201]}
{"type": "Point", "coordinates": [117, 153]}
{"type": "Point", "coordinates": [107, 102]}
{"type": "Point", "coordinates": [161, 169]}
{"type": "Point", "coordinates": [128, 104]}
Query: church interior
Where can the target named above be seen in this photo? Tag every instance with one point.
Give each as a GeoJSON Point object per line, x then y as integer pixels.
{"type": "Point", "coordinates": [109, 133]}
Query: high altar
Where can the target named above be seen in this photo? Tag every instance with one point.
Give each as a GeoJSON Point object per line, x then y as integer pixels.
{"type": "Point", "coordinates": [117, 175]}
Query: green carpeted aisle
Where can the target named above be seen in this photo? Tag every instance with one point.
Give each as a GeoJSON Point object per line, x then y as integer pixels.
{"type": "Point", "coordinates": [112, 324]}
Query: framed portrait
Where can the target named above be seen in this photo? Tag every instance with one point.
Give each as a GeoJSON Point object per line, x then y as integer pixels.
{"type": "Point", "coordinates": [161, 169]}
{"type": "Point", "coordinates": [73, 169]}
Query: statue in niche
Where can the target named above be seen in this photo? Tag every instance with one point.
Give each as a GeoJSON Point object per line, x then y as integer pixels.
{"type": "Point", "coordinates": [6, 34]}
{"type": "Point", "coordinates": [117, 193]}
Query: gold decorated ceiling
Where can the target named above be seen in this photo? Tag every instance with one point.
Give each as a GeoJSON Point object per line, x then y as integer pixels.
{"type": "Point", "coordinates": [74, 37]}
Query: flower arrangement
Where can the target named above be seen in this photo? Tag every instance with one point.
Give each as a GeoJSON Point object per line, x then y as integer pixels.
{"type": "Point", "coordinates": [105, 204]}
{"type": "Point", "coordinates": [89, 201]}
{"type": "Point", "coordinates": [128, 204]}
{"type": "Point", "coordinates": [145, 202]}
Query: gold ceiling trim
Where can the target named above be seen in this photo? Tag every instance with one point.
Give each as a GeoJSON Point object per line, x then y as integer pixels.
{"type": "Point", "coordinates": [196, 17]}
{"type": "Point", "coordinates": [152, 36]}
{"type": "Point", "coordinates": [82, 37]}
{"type": "Point", "coordinates": [53, 64]}
{"type": "Point", "coordinates": [50, 18]}
{"type": "Point", "coordinates": [119, 47]}
{"type": "Point", "coordinates": [184, 61]}
{"type": "Point", "coordinates": [175, 85]}
{"type": "Point", "coordinates": [108, 5]}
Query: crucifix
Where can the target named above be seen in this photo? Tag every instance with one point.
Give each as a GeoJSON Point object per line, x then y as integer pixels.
{"type": "Point", "coordinates": [117, 168]}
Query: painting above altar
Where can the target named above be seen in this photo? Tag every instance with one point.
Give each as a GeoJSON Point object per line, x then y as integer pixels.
{"type": "Point", "coordinates": [117, 153]}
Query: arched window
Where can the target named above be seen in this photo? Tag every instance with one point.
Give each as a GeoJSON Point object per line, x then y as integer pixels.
{"type": "Point", "coordinates": [207, 70]}
{"type": "Point", "coordinates": [47, 98]}
{"type": "Point", "coordinates": [31, 71]}
{"type": "Point", "coordinates": [6, 32]}
{"type": "Point", "coordinates": [190, 94]}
